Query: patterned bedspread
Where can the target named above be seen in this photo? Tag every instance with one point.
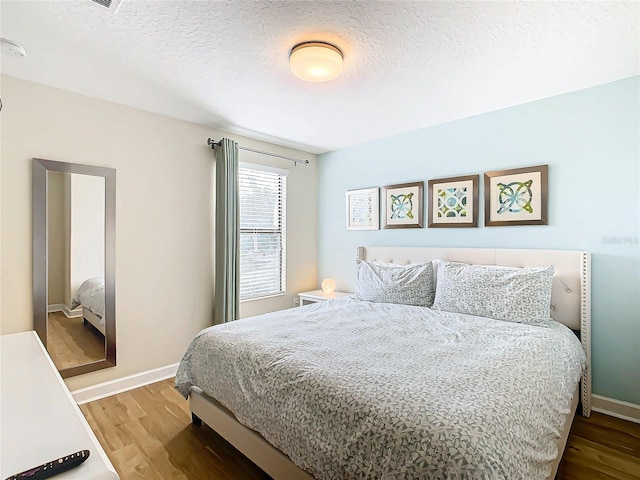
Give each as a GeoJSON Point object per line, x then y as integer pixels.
{"type": "Point", "coordinates": [358, 390]}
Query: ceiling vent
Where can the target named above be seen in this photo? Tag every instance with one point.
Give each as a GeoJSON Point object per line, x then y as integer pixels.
{"type": "Point", "coordinates": [112, 5]}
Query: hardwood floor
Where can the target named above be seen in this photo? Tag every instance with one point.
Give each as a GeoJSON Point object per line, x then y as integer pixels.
{"type": "Point", "coordinates": [601, 447]}
{"type": "Point", "coordinates": [70, 342]}
{"type": "Point", "coordinates": [147, 434]}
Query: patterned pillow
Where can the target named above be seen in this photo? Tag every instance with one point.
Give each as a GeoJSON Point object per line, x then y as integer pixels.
{"type": "Point", "coordinates": [389, 283]}
{"type": "Point", "coordinates": [520, 295]}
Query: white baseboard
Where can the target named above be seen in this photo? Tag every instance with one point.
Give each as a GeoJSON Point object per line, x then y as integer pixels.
{"type": "Point", "coordinates": [616, 408]}
{"type": "Point", "coordinates": [55, 307]}
{"type": "Point", "coordinates": [61, 307]}
{"type": "Point", "coordinates": [119, 385]}
{"type": "Point", "coordinates": [76, 312]}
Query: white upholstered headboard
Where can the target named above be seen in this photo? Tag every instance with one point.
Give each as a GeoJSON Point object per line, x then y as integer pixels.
{"type": "Point", "coordinates": [570, 296]}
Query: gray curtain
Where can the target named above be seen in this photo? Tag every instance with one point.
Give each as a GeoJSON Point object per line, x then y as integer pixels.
{"type": "Point", "coordinates": [227, 255]}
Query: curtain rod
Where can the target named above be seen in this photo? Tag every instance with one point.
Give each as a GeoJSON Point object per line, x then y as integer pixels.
{"type": "Point", "coordinates": [295, 161]}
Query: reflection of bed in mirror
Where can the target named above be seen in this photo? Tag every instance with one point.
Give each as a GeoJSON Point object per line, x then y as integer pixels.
{"type": "Point", "coordinates": [90, 296]}
{"type": "Point", "coordinates": [93, 319]}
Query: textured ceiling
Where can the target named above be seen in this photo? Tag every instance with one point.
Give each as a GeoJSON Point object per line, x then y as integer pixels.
{"type": "Point", "coordinates": [408, 65]}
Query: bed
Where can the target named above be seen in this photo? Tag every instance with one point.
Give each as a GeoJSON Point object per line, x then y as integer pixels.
{"type": "Point", "coordinates": [90, 295]}
{"type": "Point", "coordinates": [363, 403]}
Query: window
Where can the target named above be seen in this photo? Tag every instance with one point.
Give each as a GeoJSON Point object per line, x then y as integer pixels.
{"type": "Point", "coordinates": [262, 231]}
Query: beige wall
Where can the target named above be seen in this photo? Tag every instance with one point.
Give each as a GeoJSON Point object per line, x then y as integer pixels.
{"type": "Point", "coordinates": [57, 238]}
{"type": "Point", "coordinates": [87, 229]}
{"type": "Point", "coordinates": [164, 227]}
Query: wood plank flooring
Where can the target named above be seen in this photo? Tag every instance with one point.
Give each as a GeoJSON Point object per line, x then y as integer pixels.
{"type": "Point", "coordinates": [70, 342]}
{"type": "Point", "coordinates": [147, 434]}
{"type": "Point", "coordinates": [601, 447]}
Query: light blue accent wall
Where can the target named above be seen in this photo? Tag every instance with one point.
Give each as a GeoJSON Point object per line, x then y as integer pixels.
{"type": "Point", "coordinates": [591, 141]}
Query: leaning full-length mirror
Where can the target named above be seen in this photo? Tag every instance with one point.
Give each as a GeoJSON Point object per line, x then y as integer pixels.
{"type": "Point", "coordinates": [74, 264]}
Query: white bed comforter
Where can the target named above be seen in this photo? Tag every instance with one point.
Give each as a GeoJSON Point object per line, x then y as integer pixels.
{"type": "Point", "coordinates": [355, 390]}
{"type": "Point", "coordinates": [91, 295]}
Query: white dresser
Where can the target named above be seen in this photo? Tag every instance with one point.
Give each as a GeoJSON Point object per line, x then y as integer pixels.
{"type": "Point", "coordinates": [39, 419]}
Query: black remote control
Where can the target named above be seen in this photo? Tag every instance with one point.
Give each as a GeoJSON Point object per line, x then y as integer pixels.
{"type": "Point", "coordinates": [52, 468]}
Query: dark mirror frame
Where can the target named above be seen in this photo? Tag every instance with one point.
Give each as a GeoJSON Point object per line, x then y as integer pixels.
{"type": "Point", "coordinates": [40, 261]}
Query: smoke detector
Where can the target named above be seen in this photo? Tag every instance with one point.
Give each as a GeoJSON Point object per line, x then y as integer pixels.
{"type": "Point", "coordinates": [12, 48]}
{"type": "Point", "coordinates": [112, 5]}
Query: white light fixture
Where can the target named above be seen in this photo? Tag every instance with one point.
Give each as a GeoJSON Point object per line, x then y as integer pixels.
{"type": "Point", "coordinates": [315, 61]}
{"type": "Point", "coordinates": [12, 48]}
{"type": "Point", "coordinates": [328, 285]}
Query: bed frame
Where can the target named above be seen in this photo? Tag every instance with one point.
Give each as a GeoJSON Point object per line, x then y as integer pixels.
{"type": "Point", "coordinates": [570, 305]}
{"type": "Point", "coordinates": [93, 319]}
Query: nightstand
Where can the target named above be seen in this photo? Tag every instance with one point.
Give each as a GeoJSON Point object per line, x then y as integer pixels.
{"type": "Point", "coordinates": [315, 296]}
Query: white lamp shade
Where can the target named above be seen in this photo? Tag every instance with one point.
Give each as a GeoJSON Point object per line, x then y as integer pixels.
{"type": "Point", "coordinates": [316, 62]}
{"type": "Point", "coordinates": [328, 285]}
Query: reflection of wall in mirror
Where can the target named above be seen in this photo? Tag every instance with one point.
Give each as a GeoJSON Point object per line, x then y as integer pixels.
{"type": "Point", "coordinates": [57, 246]}
{"type": "Point", "coordinates": [87, 228]}
{"type": "Point", "coordinates": [75, 216]}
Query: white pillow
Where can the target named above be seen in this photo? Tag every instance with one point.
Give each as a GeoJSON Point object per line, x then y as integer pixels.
{"type": "Point", "coordinates": [411, 284]}
{"type": "Point", "coordinates": [436, 265]}
{"type": "Point", "coordinates": [521, 295]}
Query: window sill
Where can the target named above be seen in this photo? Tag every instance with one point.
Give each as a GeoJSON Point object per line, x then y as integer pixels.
{"type": "Point", "coordinates": [264, 298]}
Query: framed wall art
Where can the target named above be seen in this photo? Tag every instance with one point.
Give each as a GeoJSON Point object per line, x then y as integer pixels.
{"type": "Point", "coordinates": [363, 209]}
{"type": "Point", "coordinates": [453, 202]}
{"type": "Point", "coordinates": [516, 197]}
{"type": "Point", "coordinates": [402, 205]}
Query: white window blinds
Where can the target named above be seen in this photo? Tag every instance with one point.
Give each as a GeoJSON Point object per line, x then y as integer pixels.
{"type": "Point", "coordinates": [262, 232]}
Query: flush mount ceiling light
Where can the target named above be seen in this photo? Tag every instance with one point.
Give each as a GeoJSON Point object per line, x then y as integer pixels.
{"type": "Point", "coordinates": [315, 61]}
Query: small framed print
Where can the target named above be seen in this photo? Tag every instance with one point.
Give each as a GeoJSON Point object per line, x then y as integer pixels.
{"type": "Point", "coordinates": [453, 202]}
{"type": "Point", "coordinates": [516, 197]}
{"type": "Point", "coordinates": [363, 209]}
{"type": "Point", "coordinates": [402, 205]}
